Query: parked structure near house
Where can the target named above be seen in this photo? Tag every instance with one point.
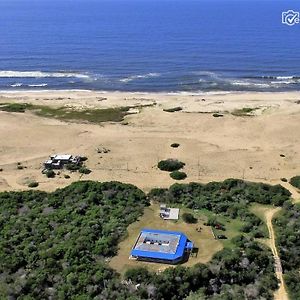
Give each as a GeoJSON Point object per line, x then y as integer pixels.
{"type": "Point", "coordinates": [58, 161]}
{"type": "Point", "coordinates": [161, 246]}
{"type": "Point", "coordinates": [167, 213]}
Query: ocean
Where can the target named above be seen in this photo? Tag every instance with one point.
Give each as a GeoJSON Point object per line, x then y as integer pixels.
{"type": "Point", "coordinates": [149, 45]}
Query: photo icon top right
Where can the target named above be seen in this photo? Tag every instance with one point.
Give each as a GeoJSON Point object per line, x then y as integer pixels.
{"type": "Point", "coordinates": [290, 17]}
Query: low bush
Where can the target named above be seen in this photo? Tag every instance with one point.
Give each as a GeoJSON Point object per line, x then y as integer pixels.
{"type": "Point", "coordinates": [217, 115]}
{"type": "Point", "coordinates": [170, 165]}
{"type": "Point", "coordinates": [50, 173]}
{"type": "Point", "coordinates": [84, 170]}
{"type": "Point", "coordinates": [72, 167]}
{"type": "Point", "coordinates": [175, 145]}
{"type": "Point", "coordinates": [66, 176]}
{"type": "Point", "coordinates": [174, 109]}
{"type": "Point", "coordinates": [33, 184]}
{"type": "Point", "coordinates": [189, 218]}
{"type": "Point", "coordinates": [177, 175]}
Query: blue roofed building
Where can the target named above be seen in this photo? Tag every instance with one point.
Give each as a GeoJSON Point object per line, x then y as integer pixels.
{"type": "Point", "coordinates": [161, 246]}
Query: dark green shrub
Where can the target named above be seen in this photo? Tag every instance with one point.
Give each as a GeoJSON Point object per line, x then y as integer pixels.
{"type": "Point", "coordinates": [33, 184]}
{"type": "Point", "coordinates": [177, 108]}
{"type": "Point", "coordinates": [50, 173]}
{"type": "Point", "coordinates": [177, 175]}
{"type": "Point", "coordinates": [66, 176]}
{"type": "Point", "coordinates": [19, 167]}
{"type": "Point", "coordinates": [72, 167]}
{"type": "Point", "coordinates": [216, 115]}
{"type": "Point", "coordinates": [283, 179]}
{"type": "Point", "coordinates": [175, 145]}
{"type": "Point", "coordinates": [84, 170]}
{"type": "Point", "coordinates": [295, 181]}
{"type": "Point", "coordinates": [1, 169]}
{"type": "Point", "coordinates": [259, 234]}
{"type": "Point", "coordinates": [138, 275]}
{"type": "Point", "coordinates": [83, 158]}
{"type": "Point", "coordinates": [170, 165]}
{"type": "Point", "coordinates": [189, 218]}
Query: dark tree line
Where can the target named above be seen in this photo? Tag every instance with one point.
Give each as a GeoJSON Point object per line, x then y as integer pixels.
{"type": "Point", "coordinates": [287, 226]}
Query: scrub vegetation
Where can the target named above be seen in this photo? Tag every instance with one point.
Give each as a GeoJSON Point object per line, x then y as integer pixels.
{"type": "Point", "coordinates": [57, 245]}
{"type": "Point", "coordinates": [287, 227]}
{"type": "Point", "coordinates": [116, 114]}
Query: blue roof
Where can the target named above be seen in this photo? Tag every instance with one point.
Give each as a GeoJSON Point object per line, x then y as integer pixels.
{"type": "Point", "coordinates": [160, 244]}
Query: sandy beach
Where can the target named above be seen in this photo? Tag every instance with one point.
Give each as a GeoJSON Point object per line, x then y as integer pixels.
{"type": "Point", "coordinates": [261, 147]}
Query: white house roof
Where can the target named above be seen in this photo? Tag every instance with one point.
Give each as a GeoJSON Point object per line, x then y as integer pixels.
{"type": "Point", "coordinates": [62, 156]}
{"type": "Point", "coordinates": [172, 214]}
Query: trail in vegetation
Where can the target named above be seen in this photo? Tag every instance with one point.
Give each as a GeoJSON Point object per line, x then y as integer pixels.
{"type": "Point", "coordinates": [294, 191]}
{"type": "Point", "coordinates": [281, 293]}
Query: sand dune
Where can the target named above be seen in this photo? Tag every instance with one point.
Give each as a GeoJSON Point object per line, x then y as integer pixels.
{"type": "Point", "coordinates": [212, 148]}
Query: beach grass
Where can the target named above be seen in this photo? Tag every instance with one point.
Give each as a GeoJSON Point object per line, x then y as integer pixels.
{"type": "Point", "coordinates": [244, 112]}
{"type": "Point", "coordinates": [97, 115]}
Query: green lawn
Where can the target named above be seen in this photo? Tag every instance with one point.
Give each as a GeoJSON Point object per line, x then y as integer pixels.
{"type": "Point", "coordinates": [204, 240]}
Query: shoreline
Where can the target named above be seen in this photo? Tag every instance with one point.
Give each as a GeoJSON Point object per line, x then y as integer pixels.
{"type": "Point", "coordinates": [187, 93]}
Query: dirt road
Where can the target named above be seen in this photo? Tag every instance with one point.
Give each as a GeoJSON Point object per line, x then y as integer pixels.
{"type": "Point", "coordinates": [281, 293]}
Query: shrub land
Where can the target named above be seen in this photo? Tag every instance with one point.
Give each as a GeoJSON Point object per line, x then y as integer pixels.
{"type": "Point", "coordinates": [287, 227]}
{"type": "Point", "coordinates": [60, 240]}
{"type": "Point", "coordinates": [230, 198]}
{"type": "Point", "coordinates": [56, 245]}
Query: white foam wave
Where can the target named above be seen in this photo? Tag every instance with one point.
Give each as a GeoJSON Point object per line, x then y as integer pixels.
{"type": "Point", "coordinates": [250, 84]}
{"type": "Point", "coordinates": [285, 77]}
{"type": "Point", "coordinates": [134, 77]}
{"type": "Point", "coordinates": [39, 74]}
{"type": "Point", "coordinates": [17, 84]}
{"type": "Point", "coordinates": [38, 85]}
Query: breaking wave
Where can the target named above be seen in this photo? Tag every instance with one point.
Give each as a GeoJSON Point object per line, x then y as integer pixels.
{"type": "Point", "coordinates": [38, 85]}
{"type": "Point", "coordinates": [17, 84]}
{"type": "Point", "coordinates": [40, 74]}
{"type": "Point", "coordinates": [134, 77]}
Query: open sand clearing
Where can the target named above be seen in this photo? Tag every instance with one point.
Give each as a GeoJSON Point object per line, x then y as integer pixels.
{"type": "Point", "coordinates": [212, 148]}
